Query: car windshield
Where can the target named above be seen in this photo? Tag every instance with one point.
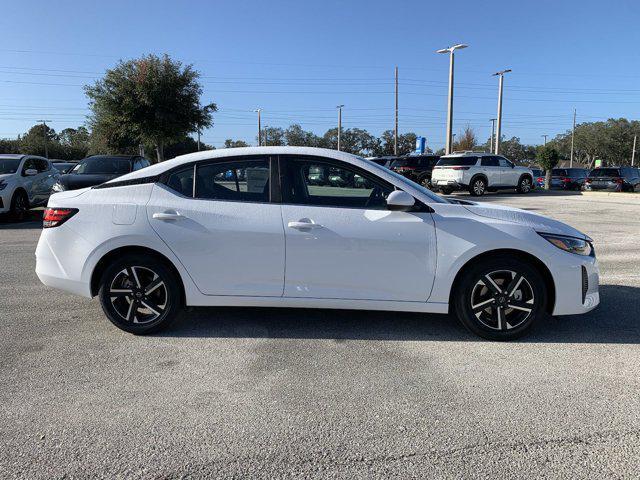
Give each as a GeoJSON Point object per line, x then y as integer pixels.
{"type": "Point", "coordinates": [103, 165]}
{"type": "Point", "coordinates": [457, 161]}
{"type": "Point", "coordinates": [9, 165]}
{"type": "Point", "coordinates": [605, 172]}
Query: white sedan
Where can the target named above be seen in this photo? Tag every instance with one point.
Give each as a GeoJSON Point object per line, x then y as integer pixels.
{"type": "Point", "coordinates": [273, 227]}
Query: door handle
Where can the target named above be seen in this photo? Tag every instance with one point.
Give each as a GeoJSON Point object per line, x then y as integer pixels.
{"type": "Point", "coordinates": [304, 225]}
{"type": "Point", "coordinates": [168, 216]}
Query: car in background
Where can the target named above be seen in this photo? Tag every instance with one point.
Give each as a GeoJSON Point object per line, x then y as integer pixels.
{"type": "Point", "coordinates": [616, 179]}
{"type": "Point", "coordinates": [25, 182]}
{"type": "Point", "coordinates": [538, 177]}
{"type": "Point", "coordinates": [478, 172]}
{"type": "Point", "coordinates": [568, 178]}
{"type": "Point", "coordinates": [63, 166]}
{"type": "Point", "coordinates": [385, 161]}
{"type": "Point", "coordinates": [98, 169]}
{"type": "Point", "coordinates": [416, 167]}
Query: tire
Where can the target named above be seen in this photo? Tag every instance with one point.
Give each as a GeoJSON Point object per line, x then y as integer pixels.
{"type": "Point", "coordinates": [497, 322]}
{"type": "Point", "coordinates": [524, 184]}
{"type": "Point", "coordinates": [446, 190]}
{"type": "Point", "coordinates": [478, 186]}
{"type": "Point", "coordinates": [19, 206]}
{"type": "Point", "coordinates": [132, 309]}
{"type": "Point", "coordinates": [425, 181]}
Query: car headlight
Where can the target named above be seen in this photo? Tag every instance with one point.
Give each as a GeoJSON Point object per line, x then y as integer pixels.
{"type": "Point", "coordinates": [57, 187]}
{"type": "Point", "coordinates": [3, 184]}
{"type": "Point", "coordinates": [579, 246]}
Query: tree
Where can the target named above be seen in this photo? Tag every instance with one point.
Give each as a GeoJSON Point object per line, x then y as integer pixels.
{"type": "Point", "coordinates": [272, 136]}
{"type": "Point", "coordinates": [229, 143]}
{"type": "Point", "coordinates": [548, 159]}
{"type": "Point", "coordinates": [467, 140]}
{"type": "Point", "coordinates": [41, 140]}
{"type": "Point", "coordinates": [148, 100]}
{"type": "Point", "coordinates": [74, 143]}
{"type": "Point", "coordinates": [9, 146]}
{"type": "Point", "coordinates": [406, 143]}
{"type": "Point", "coordinates": [184, 146]}
{"type": "Point", "coordinates": [297, 137]}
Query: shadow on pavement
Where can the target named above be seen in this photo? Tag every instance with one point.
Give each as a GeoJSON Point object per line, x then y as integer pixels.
{"type": "Point", "coordinates": [33, 220]}
{"type": "Point", "coordinates": [616, 320]}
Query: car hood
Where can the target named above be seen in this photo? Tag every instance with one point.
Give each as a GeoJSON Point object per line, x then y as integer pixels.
{"type": "Point", "coordinates": [74, 181]}
{"type": "Point", "coordinates": [522, 217]}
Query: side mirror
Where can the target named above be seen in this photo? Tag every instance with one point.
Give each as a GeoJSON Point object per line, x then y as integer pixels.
{"type": "Point", "coordinates": [30, 172]}
{"type": "Point", "coordinates": [400, 201]}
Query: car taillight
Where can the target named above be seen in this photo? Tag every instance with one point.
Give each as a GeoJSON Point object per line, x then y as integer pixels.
{"type": "Point", "coordinates": [405, 169]}
{"type": "Point", "coordinates": [565, 180]}
{"type": "Point", "coordinates": [460, 168]}
{"type": "Point", "coordinates": [540, 179]}
{"type": "Point", "coordinates": [618, 180]}
{"type": "Point", "coordinates": [54, 217]}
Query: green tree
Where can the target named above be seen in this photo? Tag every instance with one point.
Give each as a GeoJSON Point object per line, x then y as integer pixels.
{"type": "Point", "coordinates": [9, 146]}
{"type": "Point", "coordinates": [467, 140]}
{"type": "Point", "coordinates": [184, 146]}
{"type": "Point", "coordinates": [41, 140]}
{"type": "Point", "coordinates": [548, 159]}
{"type": "Point", "coordinates": [151, 100]}
{"type": "Point", "coordinates": [229, 143]}
{"type": "Point", "coordinates": [272, 136]}
{"type": "Point", "coordinates": [74, 142]}
{"type": "Point", "coordinates": [297, 137]}
{"type": "Point", "coordinates": [406, 143]}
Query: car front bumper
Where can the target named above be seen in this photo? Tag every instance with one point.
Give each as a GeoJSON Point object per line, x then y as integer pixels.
{"type": "Point", "coordinates": [577, 287]}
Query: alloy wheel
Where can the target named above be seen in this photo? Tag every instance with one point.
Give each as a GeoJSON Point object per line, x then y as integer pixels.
{"type": "Point", "coordinates": [525, 185]}
{"type": "Point", "coordinates": [478, 187]}
{"type": "Point", "coordinates": [138, 295]}
{"type": "Point", "coordinates": [502, 300]}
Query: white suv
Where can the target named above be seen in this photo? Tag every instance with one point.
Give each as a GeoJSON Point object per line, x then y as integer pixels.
{"type": "Point", "coordinates": [479, 172]}
{"type": "Point", "coordinates": [25, 182]}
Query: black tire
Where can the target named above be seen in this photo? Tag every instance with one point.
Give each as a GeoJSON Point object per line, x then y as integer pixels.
{"type": "Point", "coordinates": [498, 321]}
{"type": "Point", "coordinates": [19, 206]}
{"type": "Point", "coordinates": [425, 181]}
{"type": "Point", "coordinates": [524, 184]}
{"type": "Point", "coordinates": [478, 186]}
{"type": "Point", "coordinates": [446, 190]}
{"type": "Point", "coordinates": [148, 294]}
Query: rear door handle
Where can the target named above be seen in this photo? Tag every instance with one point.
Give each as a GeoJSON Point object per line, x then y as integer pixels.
{"type": "Point", "coordinates": [304, 225]}
{"type": "Point", "coordinates": [168, 216]}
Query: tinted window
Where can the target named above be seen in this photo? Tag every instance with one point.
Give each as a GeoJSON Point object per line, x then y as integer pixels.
{"type": "Point", "coordinates": [243, 180]}
{"type": "Point", "coordinates": [182, 181]}
{"type": "Point", "coordinates": [505, 163]}
{"type": "Point", "coordinates": [103, 165]}
{"type": "Point", "coordinates": [454, 161]}
{"type": "Point", "coordinates": [559, 172]}
{"type": "Point", "coordinates": [140, 163]}
{"type": "Point", "coordinates": [605, 172]}
{"type": "Point", "coordinates": [489, 162]}
{"type": "Point", "coordinates": [9, 166]}
{"type": "Point", "coordinates": [29, 164]}
{"type": "Point", "coordinates": [405, 162]}
{"type": "Point", "coordinates": [41, 165]}
{"type": "Point", "coordinates": [333, 184]}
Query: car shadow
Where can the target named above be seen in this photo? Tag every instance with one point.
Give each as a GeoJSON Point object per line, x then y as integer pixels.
{"type": "Point", "coordinates": [33, 220]}
{"type": "Point", "coordinates": [616, 320]}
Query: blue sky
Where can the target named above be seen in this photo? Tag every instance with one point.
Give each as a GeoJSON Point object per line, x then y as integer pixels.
{"type": "Point", "coordinates": [297, 60]}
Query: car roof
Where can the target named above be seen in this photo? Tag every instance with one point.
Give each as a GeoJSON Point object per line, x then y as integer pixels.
{"type": "Point", "coordinates": [469, 152]}
{"type": "Point", "coordinates": [115, 155]}
{"type": "Point", "coordinates": [158, 168]}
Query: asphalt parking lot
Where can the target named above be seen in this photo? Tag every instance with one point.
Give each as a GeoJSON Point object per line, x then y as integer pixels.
{"type": "Point", "coordinates": [267, 393]}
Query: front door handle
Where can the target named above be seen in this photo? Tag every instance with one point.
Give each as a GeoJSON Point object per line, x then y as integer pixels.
{"type": "Point", "coordinates": [304, 225]}
{"type": "Point", "coordinates": [168, 216]}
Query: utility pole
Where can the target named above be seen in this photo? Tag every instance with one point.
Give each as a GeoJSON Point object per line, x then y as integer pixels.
{"type": "Point", "coordinates": [258, 110]}
{"type": "Point", "coordinates": [545, 139]}
{"type": "Point", "coordinates": [573, 134]}
{"type": "Point", "coordinates": [339, 107]}
{"type": "Point", "coordinates": [633, 152]}
{"type": "Point", "coordinates": [46, 140]}
{"type": "Point", "coordinates": [198, 138]}
{"type": "Point", "coordinates": [450, 51]}
{"type": "Point", "coordinates": [499, 127]}
{"type": "Point", "coordinates": [395, 136]}
{"type": "Point", "coordinates": [493, 131]}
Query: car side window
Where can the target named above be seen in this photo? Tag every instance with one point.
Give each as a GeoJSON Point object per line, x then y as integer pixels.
{"type": "Point", "coordinates": [331, 183]}
{"type": "Point", "coordinates": [139, 163]}
{"type": "Point", "coordinates": [489, 162]}
{"type": "Point", "coordinates": [29, 164]}
{"type": "Point", "coordinates": [181, 181]}
{"type": "Point", "coordinates": [503, 162]}
{"type": "Point", "coordinates": [41, 165]}
{"type": "Point", "coordinates": [242, 180]}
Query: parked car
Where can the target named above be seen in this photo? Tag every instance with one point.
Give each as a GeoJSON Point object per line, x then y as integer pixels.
{"type": "Point", "coordinates": [173, 235]}
{"type": "Point", "coordinates": [98, 169]}
{"type": "Point", "coordinates": [538, 177]}
{"type": "Point", "coordinates": [62, 166]}
{"type": "Point", "coordinates": [479, 172]}
{"type": "Point", "coordinates": [568, 178]}
{"type": "Point", "coordinates": [25, 182]}
{"type": "Point", "coordinates": [385, 161]}
{"type": "Point", "coordinates": [617, 179]}
{"type": "Point", "coordinates": [416, 167]}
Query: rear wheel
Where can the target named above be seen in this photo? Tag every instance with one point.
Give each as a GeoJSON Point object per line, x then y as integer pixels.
{"type": "Point", "coordinates": [446, 190]}
{"type": "Point", "coordinates": [140, 295]}
{"type": "Point", "coordinates": [19, 206]}
{"type": "Point", "coordinates": [524, 185]}
{"type": "Point", "coordinates": [500, 299]}
{"type": "Point", "coordinates": [478, 186]}
{"type": "Point", "coordinates": [425, 181]}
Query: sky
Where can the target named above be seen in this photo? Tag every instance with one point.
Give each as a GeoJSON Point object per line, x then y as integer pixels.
{"type": "Point", "coordinates": [297, 60]}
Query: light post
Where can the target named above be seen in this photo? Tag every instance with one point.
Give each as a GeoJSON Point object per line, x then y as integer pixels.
{"type": "Point", "coordinates": [450, 51]}
{"type": "Point", "coordinates": [545, 139]}
{"type": "Point", "coordinates": [258, 110]}
{"type": "Point", "coordinates": [499, 127]}
{"type": "Point", "coordinates": [339, 107]}
{"type": "Point", "coordinates": [493, 131]}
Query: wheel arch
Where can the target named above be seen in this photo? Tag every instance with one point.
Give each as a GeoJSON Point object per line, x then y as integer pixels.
{"type": "Point", "coordinates": [522, 255]}
{"type": "Point", "coordinates": [525, 174]}
{"type": "Point", "coordinates": [479, 175]}
{"type": "Point", "coordinates": [104, 261]}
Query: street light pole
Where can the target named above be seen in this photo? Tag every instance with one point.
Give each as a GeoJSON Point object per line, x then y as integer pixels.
{"type": "Point", "coordinates": [395, 135]}
{"type": "Point", "coordinates": [499, 127]}
{"type": "Point", "coordinates": [493, 131]}
{"type": "Point", "coordinates": [46, 141]}
{"type": "Point", "coordinates": [339, 107]}
{"type": "Point", "coordinates": [450, 51]}
{"type": "Point", "coordinates": [545, 139]}
{"type": "Point", "coordinates": [258, 110]}
{"type": "Point", "coordinates": [633, 152]}
{"type": "Point", "coordinates": [573, 134]}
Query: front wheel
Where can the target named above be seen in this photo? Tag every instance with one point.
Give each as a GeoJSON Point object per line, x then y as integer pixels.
{"type": "Point", "coordinates": [524, 185]}
{"type": "Point", "coordinates": [500, 299]}
{"type": "Point", "coordinates": [19, 206]}
{"type": "Point", "coordinates": [140, 295]}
